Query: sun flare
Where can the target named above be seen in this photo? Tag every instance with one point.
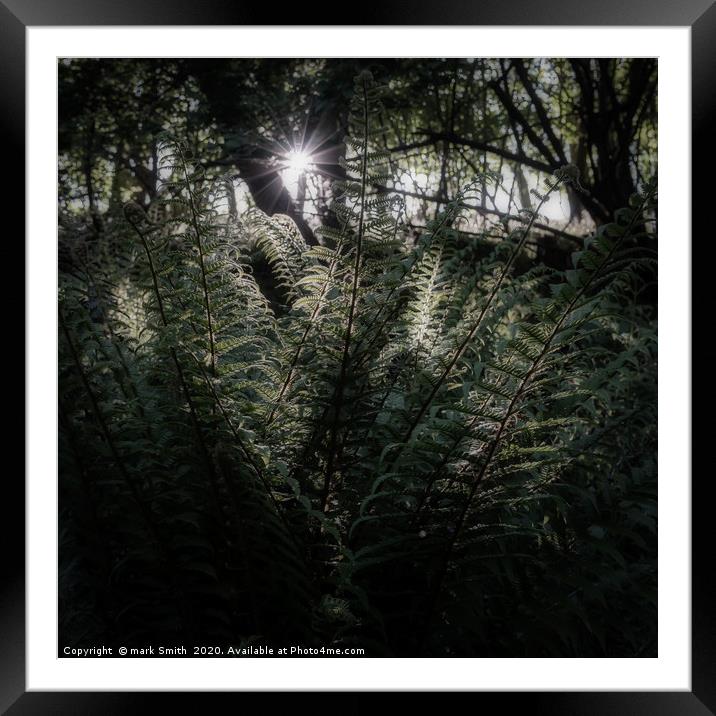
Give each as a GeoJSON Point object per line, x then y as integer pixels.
{"type": "Point", "coordinates": [298, 161]}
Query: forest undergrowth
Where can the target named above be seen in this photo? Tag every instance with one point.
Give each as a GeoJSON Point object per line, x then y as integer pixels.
{"type": "Point", "coordinates": [424, 447]}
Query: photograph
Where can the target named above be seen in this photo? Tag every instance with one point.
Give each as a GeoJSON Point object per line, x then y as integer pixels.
{"type": "Point", "coordinates": [357, 357]}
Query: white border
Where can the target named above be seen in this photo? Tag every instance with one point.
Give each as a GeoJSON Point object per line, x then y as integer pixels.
{"type": "Point", "coordinates": [670, 671]}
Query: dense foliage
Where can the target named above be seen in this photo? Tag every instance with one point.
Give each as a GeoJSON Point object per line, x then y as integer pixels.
{"type": "Point", "coordinates": [415, 444]}
{"type": "Point", "coordinates": [446, 121]}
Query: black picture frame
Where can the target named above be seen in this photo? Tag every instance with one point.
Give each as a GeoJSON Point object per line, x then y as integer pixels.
{"type": "Point", "coordinates": [699, 15]}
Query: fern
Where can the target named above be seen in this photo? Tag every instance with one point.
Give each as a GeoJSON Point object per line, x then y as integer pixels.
{"type": "Point", "coordinates": [421, 449]}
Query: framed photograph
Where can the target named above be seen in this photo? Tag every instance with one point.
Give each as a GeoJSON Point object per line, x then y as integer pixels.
{"type": "Point", "coordinates": [351, 361]}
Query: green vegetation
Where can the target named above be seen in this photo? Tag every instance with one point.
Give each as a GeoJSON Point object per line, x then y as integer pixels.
{"type": "Point", "coordinates": [418, 441]}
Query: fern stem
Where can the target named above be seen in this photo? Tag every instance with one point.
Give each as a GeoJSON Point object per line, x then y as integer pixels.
{"type": "Point", "coordinates": [476, 325]}
{"type": "Point", "coordinates": [244, 449]}
{"type": "Point", "coordinates": [114, 342]}
{"type": "Point", "coordinates": [338, 400]}
{"type": "Point", "coordinates": [437, 472]}
{"type": "Point", "coordinates": [447, 215]}
{"type": "Point", "coordinates": [200, 248]}
{"type": "Point", "coordinates": [99, 417]}
{"type": "Point", "coordinates": [175, 359]}
{"type": "Point", "coordinates": [212, 473]}
{"type": "Point", "coordinates": [445, 563]}
{"type": "Point", "coordinates": [144, 510]}
{"type": "Point", "coordinates": [301, 344]}
{"type": "Point", "coordinates": [391, 315]}
{"type": "Point", "coordinates": [293, 364]}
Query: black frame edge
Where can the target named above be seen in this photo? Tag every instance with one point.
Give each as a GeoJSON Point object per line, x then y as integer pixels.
{"type": "Point", "coordinates": [703, 85]}
{"type": "Point", "coordinates": [699, 14]}
{"type": "Point", "coordinates": [12, 130]}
